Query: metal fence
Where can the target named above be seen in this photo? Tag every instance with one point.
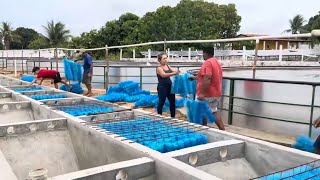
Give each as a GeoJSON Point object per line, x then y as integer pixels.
{"type": "Point", "coordinates": [275, 106]}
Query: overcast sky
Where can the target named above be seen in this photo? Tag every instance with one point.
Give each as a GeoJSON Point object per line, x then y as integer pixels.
{"type": "Point", "coordinates": [258, 16]}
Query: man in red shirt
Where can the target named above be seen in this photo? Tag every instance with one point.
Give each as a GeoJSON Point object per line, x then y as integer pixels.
{"type": "Point", "coordinates": [209, 86]}
{"type": "Point", "coordinates": [48, 74]}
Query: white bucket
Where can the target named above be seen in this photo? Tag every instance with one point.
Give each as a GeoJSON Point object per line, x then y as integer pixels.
{"type": "Point", "coordinates": [38, 174]}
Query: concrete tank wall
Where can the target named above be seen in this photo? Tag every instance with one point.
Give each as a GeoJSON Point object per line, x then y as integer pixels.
{"type": "Point", "coordinates": [95, 149]}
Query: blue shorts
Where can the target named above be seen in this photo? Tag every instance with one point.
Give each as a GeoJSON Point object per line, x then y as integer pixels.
{"type": "Point", "coordinates": [316, 144]}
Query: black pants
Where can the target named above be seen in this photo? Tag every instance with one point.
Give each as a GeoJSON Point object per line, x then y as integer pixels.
{"type": "Point", "coordinates": [57, 78]}
{"type": "Point", "coordinates": [164, 91]}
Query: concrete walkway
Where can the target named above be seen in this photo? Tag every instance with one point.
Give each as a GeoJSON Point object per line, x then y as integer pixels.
{"type": "Point", "coordinates": [270, 137]}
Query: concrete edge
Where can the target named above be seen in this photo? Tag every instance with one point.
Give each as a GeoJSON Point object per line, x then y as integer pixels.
{"type": "Point", "coordinates": [269, 144]}
{"type": "Point", "coordinates": [16, 129]}
{"type": "Point", "coordinates": [5, 168]}
{"type": "Point", "coordinates": [144, 164]}
{"type": "Point", "coordinates": [210, 153]}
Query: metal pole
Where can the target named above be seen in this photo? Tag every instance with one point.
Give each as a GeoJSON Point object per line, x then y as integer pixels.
{"type": "Point", "coordinates": [104, 77]}
{"type": "Point", "coordinates": [280, 52]}
{"type": "Point", "coordinates": [255, 60]}
{"type": "Point", "coordinates": [107, 70]}
{"type": "Point", "coordinates": [15, 64]}
{"type": "Point", "coordinates": [231, 95]}
{"type": "Point", "coordinates": [120, 54]}
{"type": "Point", "coordinates": [134, 54]}
{"type": "Point", "coordinates": [149, 54]}
{"type": "Point", "coordinates": [312, 108]}
{"type": "Point", "coordinates": [56, 57]}
{"type": "Point", "coordinates": [244, 58]}
{"type": "Point", "coordinates": [2, 61]}
{"type": "Point", "coordinates": [165, 46]}
{"type": "Point", "coordinates": [39, 58]}
{"type": "Point", "coordinates": [22, 61]}
{"type": "Point", "coordinates": [7, 60]}
{"type": "Point", "coordinates": [140, 77]}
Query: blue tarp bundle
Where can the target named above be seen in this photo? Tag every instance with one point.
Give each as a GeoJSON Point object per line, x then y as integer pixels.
{"type": "Point", "coordinates": [129, 91]}
{"type": "Point", "coordinates": [28, 78]}
{"type": "Point", "coordinates": [127, 87]}
{"type": "Point", "coordinates": [73, 71]}
{"type": "Point", "coordinates": [297, 173]}
{"type": "Point", "coordinates": [198, 110]}
{"type": "Point", "coordinates": [27, 89]}
{"type": "Point", "coordinates": [76, 88]}
{"type": "Point", "coordinates": [304, 143]}
{"type": "Point", "coordinates": [113, 97]}
{"type": "Point", "coordinates": [183, 85]}
{"type": "Point", "coordinates": [85, 109]}
{"type": "Point", "coordinates": [148, 100]}
{"type": "Point", "coordinates": [134, 98]}
{"type": "Point", "coordinates": [166, 138]}
{"type": "Point", "coordinates": [48, 96]}
{"type": "Point", "coordinates": [125, 91]}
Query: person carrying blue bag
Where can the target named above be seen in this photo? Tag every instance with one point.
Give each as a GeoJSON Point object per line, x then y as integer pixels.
{"type": "Point", "coordinates": [316, 144]}
{"type": "Point", "coordinates": [87, 71]}
{"type": "Point", "coordinates": [209, 85]}
{"type": "Point", "coordinates": [43, 74]}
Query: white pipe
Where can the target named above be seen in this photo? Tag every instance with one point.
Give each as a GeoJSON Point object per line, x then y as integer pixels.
{"type": "Point", "coordinates": [168, 52]}
{"type": "Point", "coordinates": [15, 64]}
{"type": "Point", "coordinates": [280, 53]}
{"type": "Point", "coordinates": [120, 54]}
{"type": "Point", "coordinates": [189, 54]}
{"type": "Point", "coordinates": [134, 54]}
{"type": "Point", "coordinates": [244, 58]}
{"type": "Point", "coordinates": [149, 54]}
{"type": "Point", "coordinates": [313, 33]}
{"type": "Point", "coordinates": [15, 67]}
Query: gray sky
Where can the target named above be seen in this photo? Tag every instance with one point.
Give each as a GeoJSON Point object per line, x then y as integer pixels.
{"type": "Point", "coordinates": [258, 16]}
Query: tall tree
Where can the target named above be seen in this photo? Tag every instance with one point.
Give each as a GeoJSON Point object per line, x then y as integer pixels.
{"type": "Point", "coordinates": [296, 25]}
{"type": "Point", "coordinates": [313, 23]}
{"type": "Point", "coordinates": [6, 34]}
{"type": "Point", "coordinates": [190, 19]}
{"type": "Point", "coordinates": [24, 37]}
{"type": "Point", "coordinates": [40, 42]}
{"type": "Point", "coordinates": [56, 33]}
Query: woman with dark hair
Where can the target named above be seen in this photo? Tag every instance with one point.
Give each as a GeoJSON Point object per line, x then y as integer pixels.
{"type": "Point", "coordinates": [164, 72]}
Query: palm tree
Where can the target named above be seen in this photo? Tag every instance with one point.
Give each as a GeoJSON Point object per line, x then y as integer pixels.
{"type": "Point", "coordinates": [56, 33]}
{"type": "Point", "coordinates": [6, 34]}
{"type": "Point", "coordinates": [296, 25]}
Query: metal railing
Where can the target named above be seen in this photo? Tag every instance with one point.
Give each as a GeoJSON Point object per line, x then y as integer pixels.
{"type": "Point", "coordinates": [230, 110]}
{"type": "Point", "coordinates": [230, 105]}
{"type": "Point", "coordinates": [232, 97]}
